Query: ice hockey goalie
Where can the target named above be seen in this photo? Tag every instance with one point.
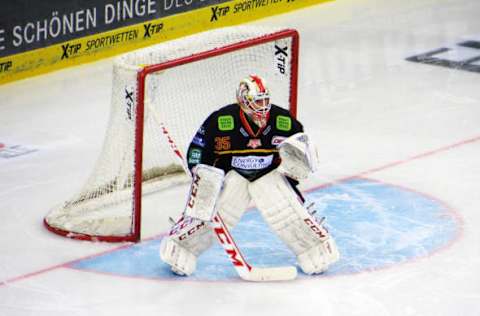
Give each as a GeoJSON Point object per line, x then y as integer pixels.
{"type": "Point", "coordinates": [250, 151]}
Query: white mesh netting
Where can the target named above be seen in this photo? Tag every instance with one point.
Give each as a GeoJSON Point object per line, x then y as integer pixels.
{"type": "Point", "coordinates": [177, 100]}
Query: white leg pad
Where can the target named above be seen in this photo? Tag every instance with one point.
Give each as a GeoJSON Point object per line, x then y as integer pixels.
{"type": "Point", "coordinates": [318, 258]}
{"type": "Point", "coordinates": [188, 238]}
{"type": "Point", "coordinates": [181, 261]}
{"type": "Point", "coordinates": [284, 212]}
{"type": "Point", "coordinates": [234, 198]}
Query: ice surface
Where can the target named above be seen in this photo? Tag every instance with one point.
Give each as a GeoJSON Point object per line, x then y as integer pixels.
{"type": "Point", "coordinates": [372, 113]}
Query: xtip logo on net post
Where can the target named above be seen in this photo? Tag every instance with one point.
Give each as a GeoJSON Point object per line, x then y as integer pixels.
{"type": "Point", "coordinates": [129, 101]}
{"type": "Point", "coordinates": [281, 57]}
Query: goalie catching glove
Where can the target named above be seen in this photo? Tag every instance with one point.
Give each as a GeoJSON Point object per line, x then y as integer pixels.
{"type": "Point", "coordinates": [299, 156]}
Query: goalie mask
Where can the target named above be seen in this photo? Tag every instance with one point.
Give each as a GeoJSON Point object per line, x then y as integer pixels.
{"type": "Point", "coordinates": [254, 99]}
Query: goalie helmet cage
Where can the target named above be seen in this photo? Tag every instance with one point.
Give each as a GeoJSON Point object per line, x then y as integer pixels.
{"type": "Point", "coordinates": [160, 97]}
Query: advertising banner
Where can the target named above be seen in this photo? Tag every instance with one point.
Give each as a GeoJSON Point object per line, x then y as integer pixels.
{"type": "Point", "coordinates": [40, 36]}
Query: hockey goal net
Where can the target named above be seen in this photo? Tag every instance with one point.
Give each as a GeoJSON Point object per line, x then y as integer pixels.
{"type": "Point", "coordinates": [160, 97]}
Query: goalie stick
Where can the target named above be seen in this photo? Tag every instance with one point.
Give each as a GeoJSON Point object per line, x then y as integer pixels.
{"type": "Point", "coordinates": [244, 270]}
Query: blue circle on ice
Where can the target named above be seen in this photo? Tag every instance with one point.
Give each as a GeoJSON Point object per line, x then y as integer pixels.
{"type": "Point", "coordinates": [375, 225]}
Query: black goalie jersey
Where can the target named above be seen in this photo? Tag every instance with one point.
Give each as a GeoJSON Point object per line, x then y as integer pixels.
{"type": "Point", "coordinates": [228, 140]}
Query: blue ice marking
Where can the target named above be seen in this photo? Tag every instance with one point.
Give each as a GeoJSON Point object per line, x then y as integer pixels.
{"type": "Point", "coordinates": [375, 225]}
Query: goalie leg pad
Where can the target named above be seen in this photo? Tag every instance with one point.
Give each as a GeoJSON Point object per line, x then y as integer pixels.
{"type": "Point", "coordinates": [282, 209]}
{"type": "Point", "coordinates": [181, 261]}
{"type": "Point", "coordinates": [234, 198]}
{"type": "Point", "coordinates": [318, 258]}
{"type": "Point", "coordinates": [188, 238]}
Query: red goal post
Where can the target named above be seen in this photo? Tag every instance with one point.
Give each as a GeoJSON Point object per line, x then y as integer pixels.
{"type": "Point", "coordinates": [169, 89]}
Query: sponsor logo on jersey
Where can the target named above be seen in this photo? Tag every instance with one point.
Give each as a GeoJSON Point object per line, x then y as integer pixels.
{"type": "Point", "coordinates": [201, 130]}
{"type": "Point", "coordinates": [198, 140]}
{"type": "Point", "coordinates": [194, 156]}
{"type": "Point", "coordinates": [267, 130]}
{"type": "Point", "coordinates": [254, 143]}
{"type": "Point", "coordinates": [284, 123]}
{"type": "Point", "coordinates": [277, 140]}
{"type": "Point", "coordinates": [222, 143]}
{"type": "Point", "coordinates": [243, 132]}
{"type": "Point", "coordinates": [252, 162]}
{"type": "Point", "coordinates": [226, 123]}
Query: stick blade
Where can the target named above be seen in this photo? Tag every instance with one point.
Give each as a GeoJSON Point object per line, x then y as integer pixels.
{"type": "Point", "coordinates": [271, 274]}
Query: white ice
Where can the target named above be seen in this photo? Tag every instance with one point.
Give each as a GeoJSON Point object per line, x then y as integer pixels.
{"type": "Point", "coordinates": [373, 113]}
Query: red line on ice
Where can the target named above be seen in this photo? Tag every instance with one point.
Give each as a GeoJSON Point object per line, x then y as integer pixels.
{"type": "Point", "coordinates": [364, 173]}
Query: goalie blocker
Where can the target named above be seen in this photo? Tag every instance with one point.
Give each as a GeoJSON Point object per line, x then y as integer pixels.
{"type": "Point", "coordinates": [276, 200]}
